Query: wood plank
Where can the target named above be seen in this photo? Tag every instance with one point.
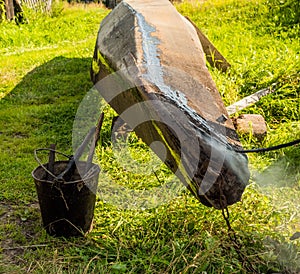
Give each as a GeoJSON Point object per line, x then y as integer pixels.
{"type": "Point", "coordinates": [249, 100]}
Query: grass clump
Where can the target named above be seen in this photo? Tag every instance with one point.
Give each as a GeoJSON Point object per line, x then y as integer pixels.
{"type": "Point", "coordinates": [44, 68]}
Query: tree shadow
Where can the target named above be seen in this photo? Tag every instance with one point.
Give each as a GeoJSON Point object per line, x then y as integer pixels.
{"type": "Point", "coordinates": [52, 81]}
{"type": "Point", "coordinates": [285, 13]}
{"type": "Point", "coordinates": [45, 101]}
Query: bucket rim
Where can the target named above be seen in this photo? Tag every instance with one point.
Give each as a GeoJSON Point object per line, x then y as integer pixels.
{"type": "Point", "coordinates": [90, 174]}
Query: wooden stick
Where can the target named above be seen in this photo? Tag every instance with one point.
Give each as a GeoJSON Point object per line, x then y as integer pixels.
{"type": "Point", "coordinates": [249, 100]}
{"type": "Point", "coordinates": [9, 9]}
{"type": "Point", "coordinates": [51, 162]}
{"type": "Point", "coordinates": [94, 143]}
{"type": "Point", "coordinates": [68, 172]}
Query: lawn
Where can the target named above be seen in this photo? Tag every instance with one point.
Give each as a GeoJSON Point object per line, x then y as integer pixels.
{"type": "Point", "coordinates": [44, 70]}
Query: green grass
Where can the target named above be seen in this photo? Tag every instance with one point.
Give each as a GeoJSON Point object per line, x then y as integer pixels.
{"type": "Point", "coordinates": [44, 70]}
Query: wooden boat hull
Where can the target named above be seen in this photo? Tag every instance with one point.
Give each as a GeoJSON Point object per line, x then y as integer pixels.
{"type": "Point", "coordinates": [150, 67]}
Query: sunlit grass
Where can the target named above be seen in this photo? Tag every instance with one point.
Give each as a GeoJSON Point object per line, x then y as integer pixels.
{"type": "Point", "coordinates": [44, 70]}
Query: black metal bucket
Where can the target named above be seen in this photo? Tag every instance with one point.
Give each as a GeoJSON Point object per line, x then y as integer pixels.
{"type": "Point", "coordinates": [67, 208]}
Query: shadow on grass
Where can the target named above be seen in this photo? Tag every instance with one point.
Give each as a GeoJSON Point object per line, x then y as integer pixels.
{"type": "Point", "coordinates": [285, 13]}
{"type": "Point", "coordinates": [59, 78]}
{"type": "Point", "coordinates": [44, 103]}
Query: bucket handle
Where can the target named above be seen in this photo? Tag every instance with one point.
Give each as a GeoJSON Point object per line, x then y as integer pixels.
{"type": "Point", "coordinates": [40, 163]}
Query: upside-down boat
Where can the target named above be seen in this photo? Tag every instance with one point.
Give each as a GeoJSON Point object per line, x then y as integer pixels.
{"type": "Point", "coordinates": [150, 67]}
